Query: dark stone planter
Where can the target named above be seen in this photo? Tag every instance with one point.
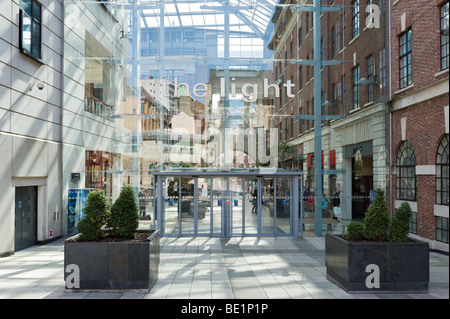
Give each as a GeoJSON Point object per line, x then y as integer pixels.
{"type": "Point", "coordinates": [403, 267]}
{"type": "Point", "coordinates": [115, 265]}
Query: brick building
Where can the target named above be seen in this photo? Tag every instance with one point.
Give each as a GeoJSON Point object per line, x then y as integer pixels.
{"type": "Point", "coordinates": [358, 90]}
{"type": "Point", "coordinates": [419, 115]}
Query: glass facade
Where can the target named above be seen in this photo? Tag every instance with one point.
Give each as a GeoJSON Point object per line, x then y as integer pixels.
{"type": "Point", "coordinates": [231, 86]}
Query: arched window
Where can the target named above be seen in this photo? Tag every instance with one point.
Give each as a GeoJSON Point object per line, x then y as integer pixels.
{"type": "Point", "coordinates": [442, 168]}
{"type": "Point", "coordinates": [406, 172]}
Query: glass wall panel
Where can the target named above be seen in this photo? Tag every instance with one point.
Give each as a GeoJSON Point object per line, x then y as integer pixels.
{"type": "Point", "coordinates": [204, 206]}
{"type": "Point", "coordinates": [251, 206]}
{"type": "Point", "coordinates": [171, 193]}
{"type": "Point", "coordinates": [219, 207]}
{"type": "Point", "coordinates": [226, 86]}
{"type": "Point", "coordinates": [236, 199]}
{"type": "Point", "coordinates": [283, 199]}
{"type": "Point", "coordinates": [187, 206]}
{"type": "Point", "coordinates": [267, 205]}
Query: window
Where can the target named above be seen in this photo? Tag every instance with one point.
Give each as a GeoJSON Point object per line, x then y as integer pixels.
{"type": "Point", "coordinates": [343, 29]}
{"type": "Point", "coordinates": [442, 229]}
{"type": "Point", "coordinates": [300, 37]}
{"type": "Point", "coordinates": [355, 18]}
{"type": "Point", "coordinates": [405, 60]}
{"type": "Point", "coordinates": [307, 22]}
{"type": "Point", "coordinates": [338, 37]}
{"type": "Point", "coordinates": [308, 113]}
{"type": "Point", "coordinates": [301, 77]}
{"type": "Point", "coordinates": [344, 89]}
{"type": "Point", "coordinates": [322, 49]}
{"type": "Point", "coordinates": [333, 43]}
{"type": "Point", "coordinates": [413, 223]}
{"type": "Point", "coordinates": [356, 87]}
{"type": "Point", "coordinates": [382, 68]}
{"type": "Point", "coordinates": [370, 77]}
{"type": "Point", "coordinates": [442, 172]}
{"type": "Point", "coordinates": [30, 28]}
{"type": "Point", "coordinates": [333, 93]}
{"type": "Point", "coordinates": [406, 172]}
{"type": "Point", "coordinates": [444, 37]}
{"type": "Point", "coordinates": [307, 70]}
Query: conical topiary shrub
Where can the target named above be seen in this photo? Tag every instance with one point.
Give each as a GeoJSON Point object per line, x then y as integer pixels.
{"type": "Point", "coordinates": [124, 214]}
{"type": "Point", "coordinates": [376, 222]}
{"type": "Point", "coordinates": [97, 212]}
{"type": "Point", "coordinates": [399, 227]}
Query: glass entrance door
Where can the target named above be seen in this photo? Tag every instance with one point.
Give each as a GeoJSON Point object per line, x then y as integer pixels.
{"type": "Point", "coordinates": [236, 196]}
{"type": "Point", "coordinates": [250, 206]}
{"type": "Point", "coordinates": [226, 206]}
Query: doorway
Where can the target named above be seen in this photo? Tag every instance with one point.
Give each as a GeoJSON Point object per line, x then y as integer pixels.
{"type": "Point", "coordinates": [362, 184]}
{"type": "Point", "coordinates": [25, 217]}
{"type": "Point", "coordinates": [226, 205]}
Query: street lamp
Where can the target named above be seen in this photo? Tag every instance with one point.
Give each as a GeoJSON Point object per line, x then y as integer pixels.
{"type": "Point", "coordinates": [365, 82]}
{"type": "Point", "coordinates": [328, 104]}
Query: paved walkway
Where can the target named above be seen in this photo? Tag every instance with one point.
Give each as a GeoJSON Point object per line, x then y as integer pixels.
{"type": "Point", "coordinates": [209, 268]}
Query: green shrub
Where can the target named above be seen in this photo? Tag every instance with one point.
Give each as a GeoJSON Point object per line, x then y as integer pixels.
{"type": "Point", "coordinates": [97, 212]}
{"type": "Point", "coordinates": [376, 222]}
{"type": "Point", "coordinates": [355, 231]}
{"type": "Point", "coordinates": [399, 227]}
{"type": "Point", "coordinates": [124, 214]}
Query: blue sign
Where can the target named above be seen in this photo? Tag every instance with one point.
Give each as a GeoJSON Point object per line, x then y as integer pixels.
{"type": "Point", "coordinates": [76, 204]}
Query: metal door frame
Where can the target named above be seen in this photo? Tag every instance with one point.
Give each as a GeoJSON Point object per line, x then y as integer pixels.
{"type": "Point", "coordinates": [227, 222]}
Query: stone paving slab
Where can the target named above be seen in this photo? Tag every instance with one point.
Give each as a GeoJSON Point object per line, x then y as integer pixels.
{"type": "Point", "coordinates": [209, 268]}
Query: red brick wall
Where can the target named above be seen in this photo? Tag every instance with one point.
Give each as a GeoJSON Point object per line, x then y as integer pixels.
{"type": "Point", "coordinates": [423, 18]}
{"type": "Point", "coordinates": [425, 127]}
{"type": "Point", "coordinates": [425, 123]}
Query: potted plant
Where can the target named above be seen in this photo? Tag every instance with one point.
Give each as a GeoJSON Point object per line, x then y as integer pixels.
{"type": "Point", "coordinates": [377, 255]}
{"type": "Point", "coordinates": [109, 251]}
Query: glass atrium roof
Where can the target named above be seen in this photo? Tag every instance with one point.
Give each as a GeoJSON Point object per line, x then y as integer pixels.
{"type": "Point", "coordinates": [245, 16]}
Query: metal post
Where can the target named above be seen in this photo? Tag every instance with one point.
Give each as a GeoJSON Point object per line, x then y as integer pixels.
{"type": "Point", "coordinates": [136, 93]}
{"type": "Point", "coordinates": [243, 206]}
{"type": "Point", "coordinates": [258, 206]}
{"type": "Point", "coordinates": [295, 205]}
{"type": "Point", "coordinates": [162, 47]}
{"type": "Point", "coordinates": [195, 206]}
{"type": "Point", "coordinates": [274, 206]}
{"type": "Point", "coordinates": [226, 106]}
{"type": "Point", "coordinates": [160, 204]}
{"type": "Point", "coordinates": [211, 209]}
{"type": "Point", "coordinates": [318, 115]}
{"type": "Point", "coordinates": [155, 211]}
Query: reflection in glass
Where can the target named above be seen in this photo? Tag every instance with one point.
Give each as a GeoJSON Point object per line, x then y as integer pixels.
{"type": "Point", "coordinates": [26, 33]}
{"type": "Point", "coordinates": [267, 206]}
{"type": "Point", "coordinates": [171, 189]}
{"type": "Point", "coordinates": [200, 85]}
{"type": "Point", "coordinates": [251, 206]}
{"type": "Point", "coordinates": [236, 197]}
{"type": "Point", "coordinates": [187, 206]}
{"type": "Point", "coordinates": [204, 206]}
{"type": "Point", "coordinates": [284, 205]}
{"type": "Point", "coordinates": [219, 207]}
